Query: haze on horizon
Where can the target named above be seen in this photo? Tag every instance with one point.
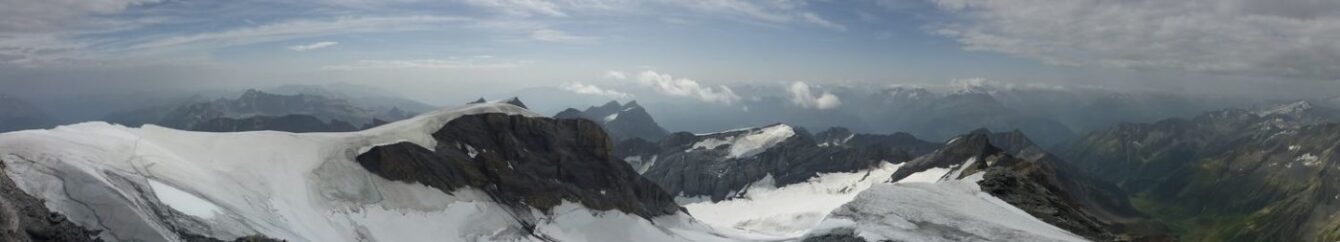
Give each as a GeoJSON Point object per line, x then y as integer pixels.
{"type": "Point", "coordinates": [443, 52]}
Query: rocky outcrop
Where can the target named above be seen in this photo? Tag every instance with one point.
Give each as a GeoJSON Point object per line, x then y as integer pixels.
{"type": "Point", "coordinates": [514, 101]}
{"type": "Point", "coordinates": [621, 121]}
{"type": "Point", "coordinates": [722, 165]}
{"type": "Point", "coordinates": [1027, 177]}
{"type": "Point", "coordinates": [524, 163]}
{"type": "Point", "coordinates": [25, 218]}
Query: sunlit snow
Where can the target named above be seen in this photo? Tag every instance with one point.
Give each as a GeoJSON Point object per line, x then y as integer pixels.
{"type": "Point", "coordinates": [749, 143]}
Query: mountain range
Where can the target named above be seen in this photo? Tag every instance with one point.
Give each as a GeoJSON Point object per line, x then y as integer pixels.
{"type": "Point", "coordinates": [259, 110]}
{"type": "Point", "coordinates": [17, 114]}
{"type": "Point", "coordinates": [1240, 174]}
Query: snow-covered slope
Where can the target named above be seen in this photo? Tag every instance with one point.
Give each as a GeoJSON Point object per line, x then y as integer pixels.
{"type": "Point", "coordinates": [789, 210]}
{"type": "Point", "coordinates": [946, 210]}
{"type": "Point", "coordinates": [156, 184]}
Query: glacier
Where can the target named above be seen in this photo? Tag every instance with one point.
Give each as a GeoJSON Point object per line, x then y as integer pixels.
{"type": "Point", "coordinates": [155, 184]}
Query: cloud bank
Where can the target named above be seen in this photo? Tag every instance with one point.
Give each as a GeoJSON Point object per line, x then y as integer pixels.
{"type": "Point", "coordinates": [1282, 38]}
{"type": "Point", "coordinates": [683, 87]}
{"type": "Point", "coordinates": [802, 96]}
{"type": "Point", "coordinates": [582, 88]}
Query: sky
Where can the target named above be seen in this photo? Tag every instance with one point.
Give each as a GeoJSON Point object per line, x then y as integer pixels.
{"type": "Point", "coordinates": [445, 51]}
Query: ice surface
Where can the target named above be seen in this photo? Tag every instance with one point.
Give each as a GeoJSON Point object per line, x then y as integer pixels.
{"type": "Point", "coordinates": [183, 201]}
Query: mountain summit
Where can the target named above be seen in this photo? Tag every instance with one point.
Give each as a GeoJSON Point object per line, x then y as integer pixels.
{"type": "Point", "coordinates": [622, 121]}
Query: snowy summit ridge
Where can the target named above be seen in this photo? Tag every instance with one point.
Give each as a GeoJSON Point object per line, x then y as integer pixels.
{"type": "Point", "coordinates": [159, 184]}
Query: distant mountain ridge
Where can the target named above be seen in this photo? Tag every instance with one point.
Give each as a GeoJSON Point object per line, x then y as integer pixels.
{"type": "Point", "coordinates": [721, 165]}
{"type": "Point", "coordinates": [1241, 174]}
{"type": "Point", "coordinates": [261, 110]}
{"type": "Point", "coordinates": [622, 121]}
{"type": "Point", "coordinates": [17, 114]}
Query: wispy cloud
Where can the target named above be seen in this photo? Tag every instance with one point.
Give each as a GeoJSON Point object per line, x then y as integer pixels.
{"type": "Point", "coordinates": [683, 87]}
{"type": "Point", "coordinates": [582, 88]}
{"type": "Point", "coordinates": [422, 64]}
{"type": "Point", "coordinates": [821, 22]}
{"type": "Point", "coordinates": [802, 96]}
{"type": "Point", "coordinates": [56, 15]}
{"type": "Point", "coordinates": [299, 28]}
{"type": "Point", "coordinates": [313, 46]}
{"type": "Point", "coordinates": [520, 7]}
{"type": "Point", "coordinates": [549, 35]}
{"type": "Point", "coordinates": [1271, 38]}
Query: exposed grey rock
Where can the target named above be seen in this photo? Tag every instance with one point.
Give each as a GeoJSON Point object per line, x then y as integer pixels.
{"type": "Point", "coordinates": [1032, 180]}
{"type": "Point", "coordinates": [524, 163]}
{"type": "Point", "coordinates": [25, 218]}
{"type": "Point", "coordinates": [685, 170]}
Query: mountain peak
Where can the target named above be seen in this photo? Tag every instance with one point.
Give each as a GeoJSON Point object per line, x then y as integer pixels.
{"type": "Point", "coordinates": [514, 101]}
{"type": "Point", "coordinates": [611, 105]}
{"type": "Point", "coordinates": [1284, 109]}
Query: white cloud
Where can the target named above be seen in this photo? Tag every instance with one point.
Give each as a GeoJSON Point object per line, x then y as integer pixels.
{"type": "Point", "coordinates": [549, 35]}
{"type": "Point", "coordinates": [313, 46]}
{"type": "Point", "coordinates": [802, 96]}
{"type": "Point", "coordinates": [422, 64]}
{"type": "Point", "coordinates": [669, 85]}
{"type": "Point", "coordinates": [617, 75]}
{"type": "Point", "coordinates": [1282, 38]}
{"type": "Point", "coordinates": [582, 88]}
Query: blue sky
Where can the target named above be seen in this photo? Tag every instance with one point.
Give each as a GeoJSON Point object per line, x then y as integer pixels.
{"type": "Point", "coordinates": [433, 48]}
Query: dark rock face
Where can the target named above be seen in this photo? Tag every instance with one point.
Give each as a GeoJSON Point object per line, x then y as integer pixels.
{"type": "Point", "coordinates": [622, 121]}
{"type": "Point", "coordinates": [25, 218]}
{"type": "Point", "coordinates": [514, 101]}
{"type": "Point", "coordinates": [524, 162]}
{"type": "Point", "coordinates": [845, 235]}
{"type": "Point", "coordinates": [1023, 175]}
{"type": "Point", "coordinates": [253, 238]}
{"type": "Point", "coordinates": [683, 167]}
{"type": "Point", "coordinates": [289, 123]}
{"type": "Point", "coordinates": [1231, 175]}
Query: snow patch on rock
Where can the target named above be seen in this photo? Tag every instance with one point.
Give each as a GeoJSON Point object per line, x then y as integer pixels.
{"type": "Point", "coordinates": [749, 143]}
